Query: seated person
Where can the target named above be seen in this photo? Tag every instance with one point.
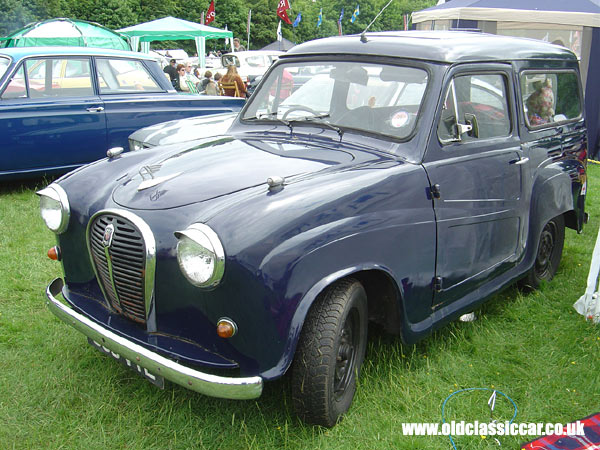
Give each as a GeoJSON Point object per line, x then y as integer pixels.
{"type": "Point", "coordinates": [540, 104]}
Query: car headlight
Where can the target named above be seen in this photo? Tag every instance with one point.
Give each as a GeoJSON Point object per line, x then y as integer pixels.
{"type": "Point", "coordinates": [135, 145]}
{"type": "Point", "coordinates": [54, 208]}
{"type": "Point", "coordinates": [200, 255]}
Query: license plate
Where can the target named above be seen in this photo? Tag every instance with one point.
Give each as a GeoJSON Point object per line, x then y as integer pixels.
{"type": "Point", "coordinates": [156, 380]}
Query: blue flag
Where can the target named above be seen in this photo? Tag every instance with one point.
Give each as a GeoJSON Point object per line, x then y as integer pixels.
{"type": "Point", "coordinates": [355, 14]}
{"type": "Point", "coordinates": [320, 18]}
{"type": "Point", "coordinates": [341, 16]}
{"type": "Point", "coordinates": [297, 21]}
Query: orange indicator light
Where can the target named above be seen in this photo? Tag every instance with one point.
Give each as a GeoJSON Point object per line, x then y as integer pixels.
{"type": "Point", "coordinates": [54, 253]}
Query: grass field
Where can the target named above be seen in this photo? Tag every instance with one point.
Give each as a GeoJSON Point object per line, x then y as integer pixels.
{"type": "Point", "coordinates": [58, 392]}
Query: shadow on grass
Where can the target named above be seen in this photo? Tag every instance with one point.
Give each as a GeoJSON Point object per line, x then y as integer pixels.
{"type": "Point", "coordinates": [29, 184]}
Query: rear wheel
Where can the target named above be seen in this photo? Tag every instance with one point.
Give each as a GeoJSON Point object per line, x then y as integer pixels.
{"type": "Point", "coordinates": [330, 351]}
{"type": "Point", "coordinates": [548, 255]}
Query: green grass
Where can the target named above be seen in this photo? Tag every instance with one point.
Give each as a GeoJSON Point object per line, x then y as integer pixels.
{"type": "Point", "coordinates": [58, 392]}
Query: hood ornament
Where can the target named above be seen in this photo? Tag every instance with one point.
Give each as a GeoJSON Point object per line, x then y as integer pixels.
{"type": "Point", "coordinates": [156, 181]}
{"type": "Point", "coordinates": [148, 178]}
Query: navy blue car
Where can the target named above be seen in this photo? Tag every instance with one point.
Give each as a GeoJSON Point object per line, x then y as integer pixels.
{"type": "Point", "coordinates": [411, 177]}
{"type": "Point", "coordinates": [64, 107]}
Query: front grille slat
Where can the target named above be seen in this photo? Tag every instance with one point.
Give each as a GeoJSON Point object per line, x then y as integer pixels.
{"type": "Point", "coordinates": [122, 274]}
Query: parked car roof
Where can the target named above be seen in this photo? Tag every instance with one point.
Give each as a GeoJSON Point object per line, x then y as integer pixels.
{"type": "Point", "coordinates": [20, 52]}
{"type": "Point", "coordinates": [442, 46]}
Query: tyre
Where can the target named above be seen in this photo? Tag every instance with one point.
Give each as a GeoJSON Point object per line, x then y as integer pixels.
{"type": "Point", "coordinates": [548, 254]}
{"type": "Point", "coordinates": [330, 352]}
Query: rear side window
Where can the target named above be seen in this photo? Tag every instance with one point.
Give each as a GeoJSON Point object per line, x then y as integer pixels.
{"type": "Point", "coordinates": [116, 76]}
{"type": "Point", "coordinates": [478, 103]}
{"type": "Point", "coordinates": [550, 97]}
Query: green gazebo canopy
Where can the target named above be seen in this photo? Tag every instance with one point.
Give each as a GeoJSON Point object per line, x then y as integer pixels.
{"type": "Point", "coordinates": [69, 32]}
{"type": "Point", "coordinates": [173, 29]}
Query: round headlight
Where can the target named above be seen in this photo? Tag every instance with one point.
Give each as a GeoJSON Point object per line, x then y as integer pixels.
{"type": "Point", "coordinates": [200, 255]}
{"type": "Point", "coordinates": [135, 145]}
{"type": "Point", "coordinates": [54, 208]}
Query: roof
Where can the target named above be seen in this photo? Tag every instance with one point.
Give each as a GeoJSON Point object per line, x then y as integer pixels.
{"type": "Point", "coordinates": [21, 52]}
{"type": "Point", "coordinates": [172, 28]}
{"type": "Point", "coordinates": [63, 32]}
{"type": "Point", "coordinates": [572, 12]}
{"type": "Point", "coordinates": [440, 46]}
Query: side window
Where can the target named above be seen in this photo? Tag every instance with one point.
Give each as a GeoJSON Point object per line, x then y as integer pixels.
{"type": "Point", "coordinates": [550, 97]}
{"type": "Point", "coordinates": [475, 107]}
{"type": "Point", "coordinates": [116, 76]}
{"type": "Point", "coordinates": [16, 87]}
{"type": "Point", "coordinates": [50, 77]}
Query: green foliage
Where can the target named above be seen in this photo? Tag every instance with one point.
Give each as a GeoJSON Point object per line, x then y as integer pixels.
{"type": "Point", "coordinates": [115, 14]}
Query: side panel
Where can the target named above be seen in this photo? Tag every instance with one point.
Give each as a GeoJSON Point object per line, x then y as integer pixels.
{"type": "Point", "coordinates": [51, 133]}
{"type": "Point", "coordinates": [128, 113]}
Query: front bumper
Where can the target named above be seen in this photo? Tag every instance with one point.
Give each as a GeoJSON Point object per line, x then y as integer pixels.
{"type": "Point", "coordinates": [207, 384]}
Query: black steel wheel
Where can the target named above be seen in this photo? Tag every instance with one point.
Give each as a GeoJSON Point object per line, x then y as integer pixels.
{"type": "Point", "coordinates": [330, 351]}
{"type": "Point", "coordinates": [548, 254]}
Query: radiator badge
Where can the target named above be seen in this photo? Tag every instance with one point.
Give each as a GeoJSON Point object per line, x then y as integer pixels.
{"type": "Point", "coordinates": [107, 238]}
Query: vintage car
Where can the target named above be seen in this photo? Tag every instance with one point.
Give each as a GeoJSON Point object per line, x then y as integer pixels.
{"type": "Point", "coordinates": [416, 176]}
{"type": "Point", "coordinates": [64, 107]}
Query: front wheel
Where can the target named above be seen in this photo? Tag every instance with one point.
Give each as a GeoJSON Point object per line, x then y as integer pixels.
{"type": "Point", "coordinates": [548, 255]}
{"type": "Point", "coordinates": [330, 351]}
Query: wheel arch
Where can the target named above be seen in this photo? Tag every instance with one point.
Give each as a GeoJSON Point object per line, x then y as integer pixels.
{"type": "Point", "coordinates": [384, 302]}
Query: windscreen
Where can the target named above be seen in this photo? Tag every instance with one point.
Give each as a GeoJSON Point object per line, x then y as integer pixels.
{"type": "Point", "coordinates": [366, 97]}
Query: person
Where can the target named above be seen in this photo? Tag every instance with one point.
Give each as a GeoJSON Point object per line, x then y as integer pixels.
{"type": "Point", "coordinates": [211, 86]}
{"type": "Point", "coordinates": [540, 104]}
{"type": "Point", "coordinates": [237, 47]}
{"type": "Point", "coordinates": [180, 80]}
{"type": "Point", "coordinates": [232, 76]}
{"type": "Point", "coordinates": [171, 71]}
{"type": "Point", "coordinates": [189, 75]}
{"type": "Point", "coordinates": [207, 79]}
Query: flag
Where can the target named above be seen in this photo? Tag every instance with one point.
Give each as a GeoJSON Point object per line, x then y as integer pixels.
{"type": "Point", "coordinates": [355, 14]}
{"type": "Point", "coordinates": [406, 19]}
{"type": "Point", "coordinates": [340, 22]}
{"type": "Point", "coordinates": [248, 23]}
{"type": "Point", "coordinates": [297, 21]}
{"type": "Point", "coordinates": [279, 35]}
{"type": "Point", "coordinates": [210, 14]}
{"type": "Point", "coordinates": [320, 18]}
{"type": "Point", "coordinates": [282, 8]}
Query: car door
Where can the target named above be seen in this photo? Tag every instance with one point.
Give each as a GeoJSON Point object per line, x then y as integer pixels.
{"type": "Point", "coordinates": [51, 116]}
{"type": "Point", "coordinates": [477, 172]}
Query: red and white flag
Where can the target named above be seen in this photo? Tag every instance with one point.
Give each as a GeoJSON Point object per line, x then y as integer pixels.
{"type": "Point", "coordinates": [210, 14]}
{"type": "Point", "coordinates": [282, 8]}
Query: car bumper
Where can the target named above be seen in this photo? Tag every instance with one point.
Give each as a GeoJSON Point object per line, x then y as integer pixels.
{"type": "Point", "coordinates": [208, 384]}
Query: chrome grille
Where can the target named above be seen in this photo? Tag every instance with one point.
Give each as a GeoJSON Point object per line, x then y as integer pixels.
{"type": "Point", "coordinates": [120, 265]}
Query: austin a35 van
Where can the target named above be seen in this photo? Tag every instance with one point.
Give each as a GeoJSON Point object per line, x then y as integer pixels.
{"type": "Point", "coordinates": [411, 176]}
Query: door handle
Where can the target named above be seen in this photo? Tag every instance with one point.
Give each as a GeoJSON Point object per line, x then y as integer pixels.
{"type": "Point", "coordinates": [95, 109]}
{"type": "Point", "coordinates": [518, 162]}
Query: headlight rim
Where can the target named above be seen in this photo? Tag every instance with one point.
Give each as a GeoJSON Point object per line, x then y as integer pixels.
{"type": "Point", "coordinates": [58, 194]}
{"type": "Point", "coordinates": [191, 232]}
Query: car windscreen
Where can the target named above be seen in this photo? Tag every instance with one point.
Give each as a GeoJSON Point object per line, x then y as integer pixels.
{"type": "Point", "coordinates": [375, 98]}
{"type": "Point", "coordinates": [4, 62]}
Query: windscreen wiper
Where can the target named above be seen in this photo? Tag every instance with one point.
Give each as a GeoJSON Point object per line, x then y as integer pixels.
{"type": "Point", "coordinates": [318, 118]}
{"type": "Point", "coordinates": [272, 116]}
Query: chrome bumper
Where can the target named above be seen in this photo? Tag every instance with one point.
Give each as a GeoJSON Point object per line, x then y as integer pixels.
{"type": "Point", "coordinates": [208, 384]}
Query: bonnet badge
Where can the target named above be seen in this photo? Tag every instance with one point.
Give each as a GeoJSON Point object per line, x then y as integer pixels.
{"type": "Point", "coordinates": [107, 238]}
